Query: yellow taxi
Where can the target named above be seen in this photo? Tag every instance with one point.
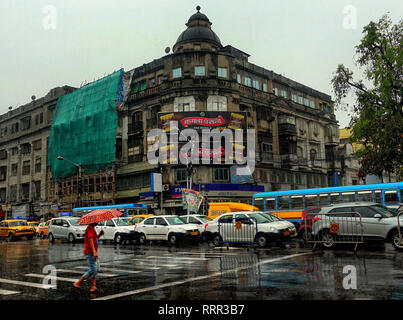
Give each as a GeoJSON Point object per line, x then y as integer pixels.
{"type": "Point", "coordinates": [43, 229]}
{"type": "Point", "coordinates": [138, 218]}
{"type": "Point", "coordinates": [34, 225]}
{"type": "Point", "coordinates": [16, 228]}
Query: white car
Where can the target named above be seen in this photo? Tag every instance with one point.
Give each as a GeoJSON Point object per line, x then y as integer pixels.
{"type": "Point", "coordinates": [116, 230]}
{"type": "Point", "coordinates": [166, 228]}
{"type": "Point", "coordinates": [254, 226]}
{"type": "Point", "coordinates": [198, 219]}
{"type": "Point", "coordinates": [65, 228]}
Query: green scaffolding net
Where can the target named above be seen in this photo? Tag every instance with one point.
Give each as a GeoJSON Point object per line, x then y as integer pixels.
{"type": "Point", "coordinates": [84, 128]}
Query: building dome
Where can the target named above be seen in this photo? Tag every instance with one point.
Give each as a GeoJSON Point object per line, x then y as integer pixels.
{"type": "Point", "coordinates": [199, 30]}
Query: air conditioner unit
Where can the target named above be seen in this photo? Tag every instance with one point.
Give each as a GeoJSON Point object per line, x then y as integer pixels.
{"type": "Point", "coordinates": [165, 187]}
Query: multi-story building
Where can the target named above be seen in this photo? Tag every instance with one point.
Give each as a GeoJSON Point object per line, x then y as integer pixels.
{"type": "Point", "coordinates": [296, 131]}
{"type": "Point", "coordinates": [24, 134]}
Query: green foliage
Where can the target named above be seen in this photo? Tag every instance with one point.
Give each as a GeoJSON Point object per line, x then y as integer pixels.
{"type": "Point", "coordinates": [377, 122]}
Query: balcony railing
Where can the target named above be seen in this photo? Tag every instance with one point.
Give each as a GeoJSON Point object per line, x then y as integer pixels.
{"type": "Point", "coordinates": [135, 127]}
{"type": "Point", "coordinates": [287, 129]}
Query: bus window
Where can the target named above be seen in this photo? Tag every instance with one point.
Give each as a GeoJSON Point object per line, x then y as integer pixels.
{"type": "Point", "coordinates": [283, 202]}
{"type": "Point", "coordinates": [334, 198]}
{"type": "Point", "coordinates": [347, 196]}
{"type": "Point", "coordinates": [391, 197]}
{"type": "Point", "coordinates": [311, 201]}
{"type": "Point", "coordinates": [378, 196]}
{"type": "Point", "coordinates": [296, 202]}
{"type": "Point", "coordinates": [365, 196]}
{"type": "Point", "coordinates": [323, 199]}
{"type": "Point", "coordinates": [258, 203]}
{"type": "Point", "coordinates": [271, 204]}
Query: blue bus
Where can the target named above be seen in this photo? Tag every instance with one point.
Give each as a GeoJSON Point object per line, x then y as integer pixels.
{"type": "Point", "coordinates": [128, 209]}
{"type": "Point", "coordinates": [288, 205]}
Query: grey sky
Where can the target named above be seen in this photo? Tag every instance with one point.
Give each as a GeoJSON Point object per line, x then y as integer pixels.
{"type": "Point", "coordinates": [301, 39]}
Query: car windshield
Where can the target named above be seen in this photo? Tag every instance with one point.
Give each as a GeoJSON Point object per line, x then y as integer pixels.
{"type": "Point", "coordinates": [17, 223]}
{"type": "Point", "coordinates": [271, 217]}
{"type": "Point", "coordinates": [174, 220]}
{"type": "Point", "coordinates": [73, 222]}
{"type": "Point", "coordinates": [122, 221]}
{"type": "Point", "coordinates": [259, 218]}
{"type": "Point", "coordinates": [384, 211]}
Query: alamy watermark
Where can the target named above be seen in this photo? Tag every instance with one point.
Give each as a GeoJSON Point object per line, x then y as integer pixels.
{"type": "Point", "coordinates": [49, 21]}
{"type": "Point", "coordinates": [50, 280]}
{"type": "Point", "coordinates": [350, 280]}
{"type": "Point", "coordinates": [350, 17]}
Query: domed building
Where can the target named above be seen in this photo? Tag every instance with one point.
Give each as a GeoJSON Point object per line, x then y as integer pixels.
{"type": "Point", "coordinates": [203, 83]}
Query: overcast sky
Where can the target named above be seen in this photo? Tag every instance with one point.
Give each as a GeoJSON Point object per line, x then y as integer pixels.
{"type": "Point", "coordinates": [45, 44]}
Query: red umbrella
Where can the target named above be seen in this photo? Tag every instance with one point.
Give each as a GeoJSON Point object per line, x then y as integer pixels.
{"type": "Point", "coordinates": [99, 215]}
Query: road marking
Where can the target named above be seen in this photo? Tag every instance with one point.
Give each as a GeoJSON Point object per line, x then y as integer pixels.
{"type": "Point", "coordinates": [101, 274]}
{"type": "Point", "coordinates": [180, 258]}
{"type": "Point", "coordinates": [113, 270]}
{"type": "Point", "coordinates": [7, 292]}
{"type": "Point", "coordinates": [215, 274]}
{"type": "Point", "coordinates": [50, 277]}
{"type": "Point", "coordinates": [156, 258]}
{"type": "Point", "coordinates": [27, 284]}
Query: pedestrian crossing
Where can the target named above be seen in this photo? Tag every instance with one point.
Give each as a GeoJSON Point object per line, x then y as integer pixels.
{"type": "Point", "coordinates": [127, 266]}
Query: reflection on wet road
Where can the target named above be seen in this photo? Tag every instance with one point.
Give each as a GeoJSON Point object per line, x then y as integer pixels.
{"type": "Point", "coordinates": [198, 272]}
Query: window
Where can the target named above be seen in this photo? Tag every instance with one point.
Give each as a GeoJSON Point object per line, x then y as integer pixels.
{"type": "Point", "coordinates": [216, 103]}
{"type": "Point", "coordinates": [247, 82]}
{"type": "Point", "coordinates": [184, 104]}
{"type": "Point", "coordinates": [264, 87]}
{"type": "Point", "coordinates": [298, 179]}
{"type": "Point", "coordinates": [3, 154]}
{"type": "Point", "coordinates": [26, 123]}
{"type": "Point", "coordinates": [270, 204]}
{"type": "Point", "coordinates": [14, 151]}
{"type": "Point", "coordinates": [26, 167]}
{"type": "Point", "coordinates": [296, 202]}
{"type": "Point", "coordinates": [323, 199]}
{"type": "Point", "coordinates": [3, 173]}
{"type": "Point", "coordinates": [177, 73]}
{"type": "Point", "coordinates": [312, 104]}
{"type": "Point", "coordinates": [306, 102]}
{"type": "Point", "coordinates": [283, 202]}
{"type": "Point", "coordinates": [222, 72]}
{"type": "Point", "coordinates": [300, 100]}
{"type": "Point", "coordinates": [348, 197]}
{"type": "Point", "coordinates": [180, 175]}
{"type": "Point", "coordinates": [200, 71]}
{"type": "Point", "coordinates": [37, 144]}
{"type": "Point", "coordinates": [294, 97]}
{"type": "Point", "coordinates": [365, 196]}
{"type": "Point", "coordinates": [109, 223]}
{"type": "Point", "coordinates": [334, 198]}
{"type": "Point", "coordinates": [221, 174]}
{"type": "Point", "coordinates": [26, 148]}
{"type": "Point", "coordinates": [378, 196]}
{"type": "Point", "coordinates": [256, 84]}
{"type": "Point", "coordinates": [37, 190]}
{"type": "Point", "coordinates": [38, 164]}
{"type": "Point", "coordinates": [14, 169]}
{"type": "Point", "coordinates": [266, 147]}
{"type": "Point", "coordinates": [391, 197]}
{"type": "Point", "coordinates": [160, 222]}
{"type": "Point", "coordinates": [311, 201]}
{"type": "Point", "coordinates": [284, 93]}
{"type": "Point", "coordinates": [238, 78]}
{"type": "Point", "coordinates": [276, 91]}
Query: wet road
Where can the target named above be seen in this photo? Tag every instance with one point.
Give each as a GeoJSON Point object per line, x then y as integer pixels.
{"type": "Point", "coordinates": [199, 272]}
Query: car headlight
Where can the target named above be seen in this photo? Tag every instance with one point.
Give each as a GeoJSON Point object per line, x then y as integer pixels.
{"type": "Point", "coordinates": [272, 229]}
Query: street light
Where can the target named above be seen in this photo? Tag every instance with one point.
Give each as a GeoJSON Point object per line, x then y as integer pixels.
{"type": "Point", "coordinates": [79, 169]}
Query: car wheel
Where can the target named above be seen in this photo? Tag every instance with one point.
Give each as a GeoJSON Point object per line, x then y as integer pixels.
{"type": "Point", "coordinates": [217, 239]}
{"type": "Point", "coordinates": [261, 240]}
{"type": "Point", "coordinates": [172, 239]}
{"type": "Point", "coordinates": [10, 237]}
{"type": "Point", "coordinates": [327, 239]}
{"type": "Point", "coordinates": [305, 235]}
{"type": "Point", "coordinates": [51, 237]}
{"type": "Point", "coordinates": [142, 238]}
{"type": "Point", "coordinates": [118, 238]}
{"type": "Point", "coordinates": [71, 238]}
{"type": "Point", "coordinates": [42, 236]}
{"type": "Point", "coordinates": [395, 240]}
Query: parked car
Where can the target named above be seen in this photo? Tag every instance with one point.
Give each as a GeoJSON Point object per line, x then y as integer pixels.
{"type": "Point", "coordinates": [305, 229]}
{"type": "Point", "coordinates": [43, 229]}
{"type": "Point", "coordinates": [138, 218]}
{"type": "Point", "coordinates": [116, 230]}
{"type": "Point", "coordinates": [166, 228]}
{"type": "Point", "coordinates": [267, 230]}
{"type": "Point", "coordinates": [378, 223]}
{"type": "Point", "coordinates": [198, 219]}
{"type": "Point", "coordinates": [272, 217]}
{"type": "Point", "coordinates": [14, 229]}
{"type": "Point", "coordinates": [34, 226]}
{"type": "Point", "coordinates": [65, 228]}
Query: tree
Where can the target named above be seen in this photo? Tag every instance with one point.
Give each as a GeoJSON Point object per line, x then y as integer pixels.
{"type": "Point", "coordinates": [377, 121]}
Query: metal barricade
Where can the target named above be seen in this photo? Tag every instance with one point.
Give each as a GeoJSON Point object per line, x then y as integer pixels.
{"type": "Point", "coordinates": [398, 226]}
{"type": "Point", "coordinates": [329, 229]}
{"type": "Point", "coordinates": [241, 231]}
